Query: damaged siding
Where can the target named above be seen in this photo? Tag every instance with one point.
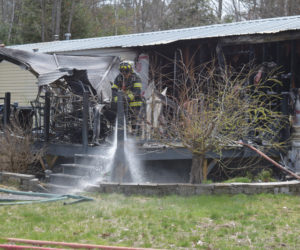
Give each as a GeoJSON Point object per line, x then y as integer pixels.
{"type": "Point", "coordinates": [21, 84]}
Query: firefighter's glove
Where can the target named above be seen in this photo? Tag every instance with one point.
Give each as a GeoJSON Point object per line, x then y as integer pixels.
{"type": "Point", "coordinates": [130, 97]}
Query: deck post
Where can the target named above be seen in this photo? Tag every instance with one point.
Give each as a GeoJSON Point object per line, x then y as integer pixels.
{"type": "Point", "coordinates": [47, 116]}
{"type": "Point", "coordinates": [6, 112]}
{"type": "Point", "coordinates": [85, 120]}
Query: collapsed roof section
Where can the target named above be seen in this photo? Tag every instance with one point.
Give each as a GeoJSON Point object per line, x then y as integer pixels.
{"type": "Point", "coordinates": [100, 70]}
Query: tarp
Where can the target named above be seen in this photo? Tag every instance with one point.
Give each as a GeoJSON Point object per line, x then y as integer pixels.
{"type": "Point", "coordinates": [101, 70]}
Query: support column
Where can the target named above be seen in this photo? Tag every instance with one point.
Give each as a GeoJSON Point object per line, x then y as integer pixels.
{"type": "Point", "coordinates": [47, 116]}
{"type": "Point", "coordinates": [6, 113]}
{"type": "Point", "coordinates": [220, 56]}
{"type": "Point", "coordinates": [294, 153]}
{"type": "Point", "coordinates": [292, 69]}
{"type": "Point", "coordinates": [85, 120]}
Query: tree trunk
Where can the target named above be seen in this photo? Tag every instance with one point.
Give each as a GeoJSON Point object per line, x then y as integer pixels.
{"type": "Point", "coordinates": [116, 12]}
{"type": "Point", "coordinates": [5, 11]}
{"type": "Point", "coordinates": [255, 14]}
{"type": "Point", "coordinates": [11, 20]}
{"type": "Point", "coordinates": [43, 18]}
{"type": "Point", "coordinates": [53, 21]}
{"type": "Point", "coordinates": [135, 16]}
{"type": "Point", "coordinates": [291, 7]}
{"type": "Point", "coordinates": [236, 11]}
{"type": "Point", "coordinates": [2, 11]}
{"type": "Point", "coordinates": [196, 174]}
{"type": "Point", "coordinates": [71, 16]}
{"type": "Point", "coordinates": [220, 9]}
{"type": "Point", "coordinates": [58, 17]}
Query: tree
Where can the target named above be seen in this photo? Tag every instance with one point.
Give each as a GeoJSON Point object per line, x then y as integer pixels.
{"type": "Point", "coordinates": [10, 9]}
{"type": "Point", "coordinates": [189, 13]}
{"type": "Point", "coordinates": [217, 108]}
{"type": "Point", "coordinates": [30, 21]}
{"type": "Point", "coordinates": [220, 8]}
{"type": "Point", "coordinates": [255, 9]}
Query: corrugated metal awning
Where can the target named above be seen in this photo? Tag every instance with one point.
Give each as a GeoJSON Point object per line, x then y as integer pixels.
{"type": "Point", "coordinates": [262, 26]}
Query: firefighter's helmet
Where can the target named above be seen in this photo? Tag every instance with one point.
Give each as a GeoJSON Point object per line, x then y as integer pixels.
{"type": "Point", "coordinates": [125, 67]}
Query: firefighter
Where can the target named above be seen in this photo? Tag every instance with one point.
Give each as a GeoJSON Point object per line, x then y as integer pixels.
{"type": "Point", "coordinates": [131, 85]}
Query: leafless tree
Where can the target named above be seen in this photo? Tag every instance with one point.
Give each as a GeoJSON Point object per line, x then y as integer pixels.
{"type": "Point", "coordinates": [217, 108]}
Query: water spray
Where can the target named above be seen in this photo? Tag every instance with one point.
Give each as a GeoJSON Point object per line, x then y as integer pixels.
{"type": "Point", "coordinates": [120, 168]}
{"type": "Point", "coordinates": [119, 162]}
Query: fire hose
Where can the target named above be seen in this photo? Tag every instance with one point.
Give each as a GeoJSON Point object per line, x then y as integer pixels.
{"type": "Point", "coordinates": [269, 159]}
{"type": "Point", "coordinates": [62, 244]}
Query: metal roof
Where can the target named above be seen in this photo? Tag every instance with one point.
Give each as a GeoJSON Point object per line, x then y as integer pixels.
{"type": "Point", "coordinates": [261, 26]}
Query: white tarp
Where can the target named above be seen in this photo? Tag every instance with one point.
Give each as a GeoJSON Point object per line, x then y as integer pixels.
{"type": "Point", "coordinates": [101, 70]}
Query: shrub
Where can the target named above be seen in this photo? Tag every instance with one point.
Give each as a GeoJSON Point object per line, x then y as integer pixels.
{"type": "Point", "coordinates": [266, 175]}
{"type": "Point", "coordinates": [16, 150]}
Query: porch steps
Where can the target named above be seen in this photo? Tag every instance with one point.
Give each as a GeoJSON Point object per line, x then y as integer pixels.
{"type": "Point", "coordinates": [90, 159]}
{"type": "Point", "coordinates": [66, 179]}
{"type": "Point", "coordinates": [79, 169]}
{"type": "Point", "coordinates": [73, 176]}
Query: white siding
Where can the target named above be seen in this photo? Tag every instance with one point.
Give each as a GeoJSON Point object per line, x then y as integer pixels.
{"type": "Point", "coordinates": [21, 83]}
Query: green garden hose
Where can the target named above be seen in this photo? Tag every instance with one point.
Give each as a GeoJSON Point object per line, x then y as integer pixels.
{"type": "Point", "coordinates": [48, 198]}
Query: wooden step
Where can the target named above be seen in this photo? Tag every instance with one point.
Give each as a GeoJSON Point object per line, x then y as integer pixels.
{"type": "Point", "coordinates": [81, 170]}
{"type": "Point", "coordinates": [91, 159]}
{"type": "Point", "coordinates": [66, 179]}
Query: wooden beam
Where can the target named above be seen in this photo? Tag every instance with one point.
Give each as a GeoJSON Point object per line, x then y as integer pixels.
{"type": "Point", "coordinates": [42, 163]}
{"type": "Point", "coordinates": [52, 162]}
{"type": "Point", "coordinates": [211, 165]}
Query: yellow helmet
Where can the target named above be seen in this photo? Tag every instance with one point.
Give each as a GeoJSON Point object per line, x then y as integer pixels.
{"type": "Point", "coordinates": [125, 67]}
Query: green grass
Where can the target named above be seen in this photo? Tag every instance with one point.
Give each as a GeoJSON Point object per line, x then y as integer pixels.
{"type": "Point", "coordinates": [216, 222]}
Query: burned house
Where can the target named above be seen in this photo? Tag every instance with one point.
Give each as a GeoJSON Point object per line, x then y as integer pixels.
{"type": "Point", "coordinates": [156, 55]}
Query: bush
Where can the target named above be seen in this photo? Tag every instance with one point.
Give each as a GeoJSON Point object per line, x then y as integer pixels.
{"type": "Point", "coordinates": [266, 175]}
{"type": "Point", "coordinates": [16, 151]}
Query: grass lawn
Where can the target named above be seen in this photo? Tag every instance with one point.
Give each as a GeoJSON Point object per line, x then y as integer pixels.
{"type": "Point", "coordinates": [217, 222]}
